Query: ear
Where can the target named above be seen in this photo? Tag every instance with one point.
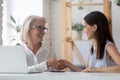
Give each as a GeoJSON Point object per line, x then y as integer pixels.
{"type": "Point", "coordinates": [94, 27]}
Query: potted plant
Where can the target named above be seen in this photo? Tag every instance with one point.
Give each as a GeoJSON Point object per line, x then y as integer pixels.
{"type": "Point", "coordinates": [117, 2]}
{"type": "Point", "coordinates": [77, 27]}
{"type": "Point", "coordinates": [14, 25]}
{"type": "Point", "coordinates": [77, 30]}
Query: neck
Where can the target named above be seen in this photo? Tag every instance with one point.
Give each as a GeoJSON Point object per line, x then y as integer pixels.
{"type": "Point", "coordinates": [94, 44]}
{"type": "Point", "coordinates": [34, 47]}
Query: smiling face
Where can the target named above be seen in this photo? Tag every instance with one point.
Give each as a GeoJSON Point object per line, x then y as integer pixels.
{"type": "Point", "coordinates": [89, 30]}
{"type": "Point", "coordinates": [37, 32]}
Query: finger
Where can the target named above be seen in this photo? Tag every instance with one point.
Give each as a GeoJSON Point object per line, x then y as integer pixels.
{"type": "Point", "coordinates": [60, 66]}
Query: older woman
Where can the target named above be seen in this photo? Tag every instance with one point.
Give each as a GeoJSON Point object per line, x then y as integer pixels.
{"type": "Point", "coordinates": [39, 56]}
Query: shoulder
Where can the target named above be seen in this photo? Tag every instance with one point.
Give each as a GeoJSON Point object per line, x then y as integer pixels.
{"type": "Point", "coordinates": [111, 48]}
{"type": "Point", "coordinates": [110, 45]}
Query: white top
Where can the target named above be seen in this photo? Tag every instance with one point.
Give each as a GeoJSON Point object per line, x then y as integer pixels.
{"type": "Point", "coordinates": [105, 61]}
{"type": "Point", "coordinates": [37, 62]}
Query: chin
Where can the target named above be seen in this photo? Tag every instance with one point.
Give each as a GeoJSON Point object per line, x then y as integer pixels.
{"type": "Point", "coordinates": [89, 38]}
{"type": "Point", "coordinates": [41, 40]}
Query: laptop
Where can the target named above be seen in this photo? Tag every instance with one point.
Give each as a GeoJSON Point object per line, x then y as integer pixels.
{"type": "Point", "coordinates": [13, 59]}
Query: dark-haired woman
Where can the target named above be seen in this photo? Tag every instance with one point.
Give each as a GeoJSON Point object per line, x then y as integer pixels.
{"type": "Point", "coordinates": [104, 56]}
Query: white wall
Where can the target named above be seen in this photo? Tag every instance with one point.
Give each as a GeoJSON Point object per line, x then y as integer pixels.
{"type": "Point", "coordinates": [116, 24]}
{"type": "Point", "coordinates": [47, 15]}
{"type": "Point", "coordinates": [1, 28]}
{"type": "Point", "coordinates": [56, 26]}
{"type": "Point", "coordinates": [78, 14]}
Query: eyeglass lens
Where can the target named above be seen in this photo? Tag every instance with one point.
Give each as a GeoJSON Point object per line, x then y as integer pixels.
{"type": "Point", "coordinates": [41, 28]}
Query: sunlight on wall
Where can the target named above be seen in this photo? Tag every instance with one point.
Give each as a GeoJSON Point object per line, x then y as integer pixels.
{"type": "Point", "coordinates": [24, 8]}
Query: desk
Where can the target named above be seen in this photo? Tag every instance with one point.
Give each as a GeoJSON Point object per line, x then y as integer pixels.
{"type": "Point", "coordinates": [61, 76]}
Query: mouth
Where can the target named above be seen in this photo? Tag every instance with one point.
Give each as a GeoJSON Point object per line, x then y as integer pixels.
{"type": "Point", "coordinates": [41, 36]}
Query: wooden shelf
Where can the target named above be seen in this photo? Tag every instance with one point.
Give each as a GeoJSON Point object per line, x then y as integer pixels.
{"type": "Point", "coordinates": [83, 4]}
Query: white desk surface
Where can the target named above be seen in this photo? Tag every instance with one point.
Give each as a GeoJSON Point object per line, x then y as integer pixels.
{"type": "Point", "coordinates": [61, 76]}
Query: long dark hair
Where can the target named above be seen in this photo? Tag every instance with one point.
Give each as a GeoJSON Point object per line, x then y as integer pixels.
{"type": "Point", "coordinates": [102, 34]}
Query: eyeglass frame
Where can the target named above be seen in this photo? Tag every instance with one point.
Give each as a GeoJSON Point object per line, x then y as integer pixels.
{"type": "Point", "coordinates": [40, 27]}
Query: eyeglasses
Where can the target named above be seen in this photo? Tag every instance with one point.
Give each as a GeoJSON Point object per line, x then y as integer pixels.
{"type": "Point", "coordinates": [40, 27]}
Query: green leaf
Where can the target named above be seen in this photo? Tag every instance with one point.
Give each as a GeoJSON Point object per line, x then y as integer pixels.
{"type": "Point", "coordinates": [77, 27]}
{"type": "Point", "coordinates": [13, 19]}
{"type": "Point", "coordinates": [11, 40]}
{"type": "Point", "coordinates": [11, 26]}
{"type": "Point", "coordinates": [18, 44]}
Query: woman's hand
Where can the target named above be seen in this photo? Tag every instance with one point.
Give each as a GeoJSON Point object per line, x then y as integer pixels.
{"type": "Point", "coordinates": [51, 62]}
{"type": "Point", "coordinates": [56, 64]}
{"type": "Point", "coordinates": [61, 64]}
{"type": "Point", "coordinates": [90, 69]}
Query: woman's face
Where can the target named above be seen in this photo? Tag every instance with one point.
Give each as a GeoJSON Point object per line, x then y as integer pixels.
{"type": "Point", "coordinates": [37, 31]}
{"type": "Point", "coordinates": [89, 30]}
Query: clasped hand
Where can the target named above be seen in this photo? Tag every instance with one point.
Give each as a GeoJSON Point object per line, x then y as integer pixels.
{"type": "Point", "coordinates": [57, 64]}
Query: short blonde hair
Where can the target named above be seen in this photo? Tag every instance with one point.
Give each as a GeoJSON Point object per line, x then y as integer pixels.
{"type": "Point", "coordinates": [27, 26]}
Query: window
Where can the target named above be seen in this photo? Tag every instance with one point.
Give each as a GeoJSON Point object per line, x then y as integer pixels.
{"type": "Point", "coordinates": [19, 10]}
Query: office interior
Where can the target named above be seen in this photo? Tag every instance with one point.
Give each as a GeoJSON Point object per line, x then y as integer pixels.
{"type": "Point", "coordinates": [53, 11]}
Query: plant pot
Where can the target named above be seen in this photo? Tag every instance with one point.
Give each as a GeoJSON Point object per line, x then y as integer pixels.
{"type": "Point", "coordinates": [76, 35]}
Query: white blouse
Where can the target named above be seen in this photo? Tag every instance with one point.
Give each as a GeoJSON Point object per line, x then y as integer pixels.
{"type": "Point", "coordinates": [37, 62]}
{"type": "Point", "coordinates": [104, 62]}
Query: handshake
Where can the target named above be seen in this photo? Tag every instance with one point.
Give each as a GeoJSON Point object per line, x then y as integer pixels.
{"type": "Point", "coordinates": [57, 64]}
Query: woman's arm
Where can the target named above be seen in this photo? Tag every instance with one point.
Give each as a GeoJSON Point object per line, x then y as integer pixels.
{"type": "Point", "coordinates": [115, 69]}
{"type": "Point", "coordinates": [41, 67]}
{"type": "Point", "coordinates": [113, 53]}
{"type": "Point", "coordinates": [69, 65]}
{"type": "Point", "coordinates": [115, 56]}
{"type": "Point", "coordinates": [38, 67]}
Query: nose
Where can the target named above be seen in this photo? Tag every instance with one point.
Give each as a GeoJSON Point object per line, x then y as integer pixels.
{"type": "Point", "coordinates": [43, 32]}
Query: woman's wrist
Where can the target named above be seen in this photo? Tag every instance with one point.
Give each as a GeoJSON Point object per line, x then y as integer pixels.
{"type": "Point", "coordinates": [72, 67]}
{"type": "Point", "coordinates": [48, 63]}
{"type": "Point", "coordinates": [98, 69]}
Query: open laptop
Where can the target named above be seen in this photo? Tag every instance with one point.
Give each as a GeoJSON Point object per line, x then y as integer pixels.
{"type": "Point", "coordinates": [13, 59]}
